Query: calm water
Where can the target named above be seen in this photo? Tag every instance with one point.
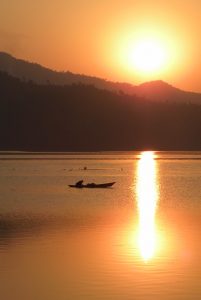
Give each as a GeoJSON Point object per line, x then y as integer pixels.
{"type": "Point", "coordinates": [137, 240]}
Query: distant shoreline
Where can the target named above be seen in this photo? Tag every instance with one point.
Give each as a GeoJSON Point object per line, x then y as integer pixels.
{"type": "Point", "coordinates": [90, 156]}
{"type": "Point", "coordinates": [94, 152]}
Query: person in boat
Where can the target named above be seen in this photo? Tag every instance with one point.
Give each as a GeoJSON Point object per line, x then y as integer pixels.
{"type": "Point", "coordinates": [79, 183]}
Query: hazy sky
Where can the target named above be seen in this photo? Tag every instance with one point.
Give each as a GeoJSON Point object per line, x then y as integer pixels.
{"type": "Point", "coordinates": [98, 37]}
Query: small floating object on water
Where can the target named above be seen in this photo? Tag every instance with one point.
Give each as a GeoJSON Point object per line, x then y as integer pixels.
{"type": "Point", "coordinates": [80, 185]}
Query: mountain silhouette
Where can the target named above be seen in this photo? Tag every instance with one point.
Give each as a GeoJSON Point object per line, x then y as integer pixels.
{"type": "Point", "coordinates": [82, 117]}
{"type": "Point", "coordinates": [155, 90]}
{"type": "Point", "coordinates": [162, 91]}
{"type": "Point", "coordinates": [27, 71]}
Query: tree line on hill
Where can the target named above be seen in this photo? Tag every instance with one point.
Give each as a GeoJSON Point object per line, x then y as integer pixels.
{"type": "Point", "coordinates": [81, 117]}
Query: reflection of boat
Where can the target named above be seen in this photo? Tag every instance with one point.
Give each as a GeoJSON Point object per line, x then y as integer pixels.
{"type": "Point", "coordinates": [80, 185]}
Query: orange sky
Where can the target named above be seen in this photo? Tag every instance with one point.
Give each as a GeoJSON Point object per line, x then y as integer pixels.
{"type": "Point", "coordinates": [96, 37]}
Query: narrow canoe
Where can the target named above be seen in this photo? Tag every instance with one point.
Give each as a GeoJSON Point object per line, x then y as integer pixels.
{"type": "Point", "coordinates": [93, 185]}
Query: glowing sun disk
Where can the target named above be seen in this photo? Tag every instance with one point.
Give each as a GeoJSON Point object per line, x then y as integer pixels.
{"type": "Point", "coordinates": [147, 56]}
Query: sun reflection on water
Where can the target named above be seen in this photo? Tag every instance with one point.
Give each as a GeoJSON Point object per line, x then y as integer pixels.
{"type": "Point", "coordinates": [147, 198]}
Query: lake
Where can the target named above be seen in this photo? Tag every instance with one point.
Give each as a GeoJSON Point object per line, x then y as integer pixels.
{"type": "Point", "coordinates": [139, 239]}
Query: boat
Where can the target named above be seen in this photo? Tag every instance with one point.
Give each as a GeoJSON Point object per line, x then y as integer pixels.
{"type": "Point", "coordinates": [80, 185]}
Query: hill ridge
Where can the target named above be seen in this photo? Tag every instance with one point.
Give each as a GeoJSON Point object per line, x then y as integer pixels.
{"type": "Point", "coordinates": [157, 90]}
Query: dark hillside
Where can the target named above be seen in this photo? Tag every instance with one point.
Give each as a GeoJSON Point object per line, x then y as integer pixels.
{"type": "Point", "coordinates": [158, 91]}
{"type": "Point", "coordinates": [83, 118]}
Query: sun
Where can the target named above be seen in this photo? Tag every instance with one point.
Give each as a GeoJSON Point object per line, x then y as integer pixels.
{"type": "Point", "coordinates": [148, 56]}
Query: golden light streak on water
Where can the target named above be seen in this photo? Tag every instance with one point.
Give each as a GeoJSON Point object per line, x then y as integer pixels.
{"type": "Point", "coordinates": [147, 198]}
